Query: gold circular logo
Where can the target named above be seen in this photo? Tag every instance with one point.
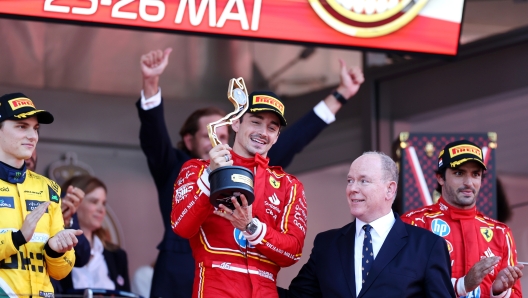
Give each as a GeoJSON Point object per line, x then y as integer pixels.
{"type": "Point", "coordinates": [367, 18]}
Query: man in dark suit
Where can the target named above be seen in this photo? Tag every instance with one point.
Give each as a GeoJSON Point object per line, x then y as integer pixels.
{"type": "Point", "coordinates": [174, 268]}
{"type": "Point", "coordinates": [376, 255]}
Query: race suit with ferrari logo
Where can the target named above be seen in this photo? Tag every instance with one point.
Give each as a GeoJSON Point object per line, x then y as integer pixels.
{"type": "Point", "coordinates": [26, 269]}
{"type": "Point", "coordinates": [470, 237]}
{"type": "Point", "coordinates": [230, 262]}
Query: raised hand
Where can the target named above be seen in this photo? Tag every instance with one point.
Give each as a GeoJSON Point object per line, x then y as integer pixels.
{"type": "Point", "coordinates": [152, 66]}
{"type": "Point", "coordinates": [32, 219]}
{"type": "Point", "coordinates": [220, 156]}
{"type": "Point", "coordinates": [71, 202]}
{"type": "Point", "coordinates": [153, 63]}
{"type": "Point", "coordinates": [350, 79]}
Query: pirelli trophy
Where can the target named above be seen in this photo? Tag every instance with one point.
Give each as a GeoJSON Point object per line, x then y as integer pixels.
{"type": "Point", "coordinates": [229, 181]}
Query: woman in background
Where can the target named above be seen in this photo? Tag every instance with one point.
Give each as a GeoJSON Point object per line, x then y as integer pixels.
{"type": "Point", "coordinates": [108, 265]}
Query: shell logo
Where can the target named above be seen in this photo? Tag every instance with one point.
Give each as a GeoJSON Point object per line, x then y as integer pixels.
{"type": "Point", "coordinates": [367, 18]}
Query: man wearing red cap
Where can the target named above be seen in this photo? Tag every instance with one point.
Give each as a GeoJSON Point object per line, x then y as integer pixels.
{"type": "Point", "coordinates": [239, 252]}
{"type": "Point", "coordinates": [482, 250]}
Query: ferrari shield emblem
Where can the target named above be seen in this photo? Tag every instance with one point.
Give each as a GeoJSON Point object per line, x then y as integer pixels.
{"type": "Point", "coordinates": [487, 233]}
{"type": "Point", "coordinates": [274, 183]}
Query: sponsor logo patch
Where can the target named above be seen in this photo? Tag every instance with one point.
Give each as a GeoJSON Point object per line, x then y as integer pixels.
{"type": "Point", "coordinates": [21, 102]}
{"type": "Point", "coordinates": [180, 193]}
{"type": "Point", "coordinates": [274, 183]}
{"type": "Point", "coordinates": [449, 246]}
{"type": "Point", "coordinates": [268, 100]}
{"type": "Point", "coordinates": [32, 192]}
{"type": "Point", "coordinates": [487, 233]}
{"type": "Point", "coordinates": [274, 199]}
{"type": "Point", "coordinates": [182, 179]}
{"type": "Point", "coordinates": [473, 294]}
{"type": "Point", "coordinates": [241, 240]}
{"type": "Point", "coordinates": [7, 202]}
{"type": "Point", "coordinates": [32, 204]}
{"type": "Point", "coordinates": [488, 253]}
{"type": "Point", "coordinates": [53, 196]}
{"type": "Point", "coordinates": [46, 294]}
{"type": "Point", "coordinates": [465, 149]}
{"type": "Point", "coordinates": [4, 188]}
{"type": "Point", "coordinates": [440, 227]}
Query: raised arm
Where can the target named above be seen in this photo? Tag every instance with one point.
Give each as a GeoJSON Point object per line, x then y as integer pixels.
{"type": "Point", "coordinates": [154, 136]}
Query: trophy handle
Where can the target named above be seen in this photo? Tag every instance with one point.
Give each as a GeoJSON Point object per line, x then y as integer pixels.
{"type": "Point", "coordinates": [238, 96]}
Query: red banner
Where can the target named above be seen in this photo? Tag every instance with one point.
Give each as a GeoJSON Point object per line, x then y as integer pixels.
{"type": "Point", "coordinates": [429, 26]}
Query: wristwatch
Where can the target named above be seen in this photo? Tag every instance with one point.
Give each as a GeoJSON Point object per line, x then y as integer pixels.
{"type": "Point", "coordinates": [252, 226]}
{"type": "Point", "coordinates": [339, 97]}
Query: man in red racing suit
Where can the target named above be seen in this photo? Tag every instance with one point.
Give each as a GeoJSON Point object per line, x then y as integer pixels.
{"type": "Point", "coordinates": [233, 260]}
{"type": "Point", "coordinates": [482, 250]}
{"type": "Point", "coordinates": [466, 233]}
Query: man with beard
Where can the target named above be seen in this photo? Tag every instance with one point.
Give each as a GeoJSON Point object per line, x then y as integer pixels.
{"type": "Point", "coordinates": [482, 250]}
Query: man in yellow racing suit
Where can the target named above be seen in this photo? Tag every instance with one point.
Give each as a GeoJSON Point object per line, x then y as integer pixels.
{"type": "Point", "coordinates": [33, 242]}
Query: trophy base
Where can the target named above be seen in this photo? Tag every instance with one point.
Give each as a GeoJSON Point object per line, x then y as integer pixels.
{"type": "Point", "coordinates": [230, 181]}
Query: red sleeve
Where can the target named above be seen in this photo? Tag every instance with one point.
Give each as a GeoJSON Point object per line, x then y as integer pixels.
{"type": "Point", "coordinates": [190, 199]}
{"type": "Point", "coordinates": [509, 258]}
{"type": "Point", "coordinates": [284, 242]}
{"type": "Point", "coordinates": [415, 218]}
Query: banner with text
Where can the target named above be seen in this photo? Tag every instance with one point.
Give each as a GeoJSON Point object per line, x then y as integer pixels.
{"type": "Point", "coordinates": [427, 26]}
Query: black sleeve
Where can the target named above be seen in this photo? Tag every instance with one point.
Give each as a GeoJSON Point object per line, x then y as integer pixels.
{"type": "Point", "coordinates": [51, 253]}
{"type": "Point", "coordinates": [122, 260]}
{"type": "Point", "coordinates": [438, 273]}
{"type": "Point", "coordinates": [294, 138]}
{"type": "Point", "coordinates": [163, 160]}
{"type": "Point", "coordinates": [18, 239]}
{"type": "Point", "coordinates": [306, 283]}
{"type": "Point", "coordinates": [156, 144]}
{"type": "Point", "coordinates": [82, 249]}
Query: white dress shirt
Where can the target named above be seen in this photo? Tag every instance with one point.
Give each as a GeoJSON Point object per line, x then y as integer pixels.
{"type": "Point", "coordinates": [380, 229]}
{"type": "Point", "coordinates": [321, 109]}
{"type": "Point", "coordinates": [93, 275]}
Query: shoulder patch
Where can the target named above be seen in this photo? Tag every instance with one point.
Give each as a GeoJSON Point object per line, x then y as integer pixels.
{"type": "Point", "coordinates": [277, 171]}
{"type": "Point", "coordinates": [54, 185]}
{"type": "Point", "coordinates": [421, 212]}
{"type": "Point", "coordinates": [53, 196]}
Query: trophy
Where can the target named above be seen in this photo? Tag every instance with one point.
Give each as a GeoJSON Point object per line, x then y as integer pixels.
{"type": "Point", "coordinates": [229, 181]}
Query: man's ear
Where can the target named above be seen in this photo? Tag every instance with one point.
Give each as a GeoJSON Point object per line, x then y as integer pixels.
{"type": "Point", "coordinates": [188, 141]}
{"type": "Point", "coordinates": [440, 180]}
{"type": "Point", "coordinates": [391, 190]}
{"type": "Point", "coordinates": [276, 139]}
{"type": "Point", "coordinates": [236, 125]}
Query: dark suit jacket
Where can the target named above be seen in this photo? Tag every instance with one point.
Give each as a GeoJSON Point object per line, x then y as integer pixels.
{"type": "Point", "coordinates": [174, 268]}
{"type": "Point", "coordinates": [117, 263]}
{"type": "Point", "coordinates": [412, 262]}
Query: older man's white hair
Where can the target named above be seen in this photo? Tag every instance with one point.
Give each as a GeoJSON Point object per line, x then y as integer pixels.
{"type": "Point", "coordinates": [387, 165]}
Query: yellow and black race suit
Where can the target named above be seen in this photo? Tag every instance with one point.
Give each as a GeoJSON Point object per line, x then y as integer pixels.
{"type": "Point", "coordinates": [25, 270]}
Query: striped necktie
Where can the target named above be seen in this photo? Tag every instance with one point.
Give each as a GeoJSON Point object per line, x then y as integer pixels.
{"type": "Point", "coordinates": [368, 253]}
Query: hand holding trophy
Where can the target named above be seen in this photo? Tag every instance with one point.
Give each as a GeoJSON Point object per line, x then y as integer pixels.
{"type": "Point", "coordinates": [229, 181]}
